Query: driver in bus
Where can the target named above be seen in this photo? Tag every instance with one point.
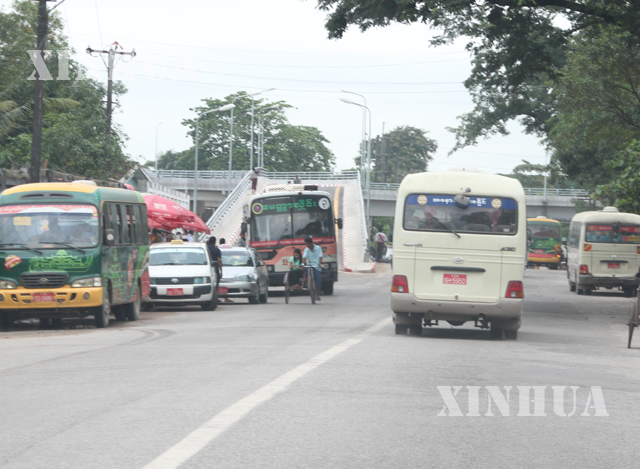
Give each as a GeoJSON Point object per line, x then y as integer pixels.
{"type": "Point", "coordinates": [81, 234]}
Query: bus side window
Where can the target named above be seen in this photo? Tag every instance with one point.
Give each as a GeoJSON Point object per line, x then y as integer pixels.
{"type": "Point", "coordinates": [142, 229]}
{"type": "Point", "coordinates": [131, 224]}
{"type": "Point", "coordinates": [116, 224]}
{"type": "Point", "coordinates": [122, 225]}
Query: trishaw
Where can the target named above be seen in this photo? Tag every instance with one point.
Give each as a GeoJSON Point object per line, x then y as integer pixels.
{"type": "Point", "coordinates": [308, 284]}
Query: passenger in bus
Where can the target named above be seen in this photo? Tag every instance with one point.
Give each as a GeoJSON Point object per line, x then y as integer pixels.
{"type": "Point", "coordinates": [591, 236]}
{"type": "Point", "coordinates": [603, 237]}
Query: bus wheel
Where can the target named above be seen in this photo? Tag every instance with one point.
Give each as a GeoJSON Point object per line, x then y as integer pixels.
{"type": "Point", "coordinates": [401, 329]}
{"type": "Point", "coordinates": [132, 310]}
{"type": "Point", "coordinates": [101, 314]}
{"type": "Point", "coordinates": [327, 288]}
{"type": "Point", "coordinates": [511, 335]}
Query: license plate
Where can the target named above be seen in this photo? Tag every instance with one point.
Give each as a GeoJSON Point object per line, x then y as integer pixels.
{"type": "Point", "coordinates": [44, 297]}
{"type": "Point", "coordinates": [223, 290]}
{"type": "Point", "coordinates": [454, 279]}
{"type": "Point", "coordinates": [174, 292]}
{"type": "Point", "coordinates": [613, 265]}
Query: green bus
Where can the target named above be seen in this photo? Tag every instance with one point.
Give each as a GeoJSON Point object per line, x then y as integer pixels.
{"type": "Point", "coordinates": [72, 250]}
{"type": "Point", "coordinates": [544, 242]}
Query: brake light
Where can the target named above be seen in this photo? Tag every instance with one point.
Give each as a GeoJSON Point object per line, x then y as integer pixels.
{"type": "Point", "coordinates": [514, 289]}
{"type": "Point", "coordinates": [584, 269]}
{"type": "Point", "coordinates": [400, 284]}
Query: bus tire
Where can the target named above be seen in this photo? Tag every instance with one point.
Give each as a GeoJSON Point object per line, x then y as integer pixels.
{"type": "Point", "coordinates": [132, 310]}
{"type": "Point", "coordinates": [327, 288]}
{"type": "Point", "coordinates": [101, 314]}
{"type": "Point", "coordinates": [401, 329]}
{"type": "Point", "coordinates": [511, 335]}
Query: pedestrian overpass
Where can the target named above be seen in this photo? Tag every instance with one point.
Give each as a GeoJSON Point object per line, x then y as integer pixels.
{"type": "Point", "coordinates": [223, 195]}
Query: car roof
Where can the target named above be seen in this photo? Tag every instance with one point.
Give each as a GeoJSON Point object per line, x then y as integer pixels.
{"type": "Point", "coordinates": [236, 249]}
{"type": "Point", "coordinates": [184, 245]}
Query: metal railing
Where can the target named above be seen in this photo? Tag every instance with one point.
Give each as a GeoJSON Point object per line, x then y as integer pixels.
{"type": "Point", "coordinates": [311, 175]}
{"type": "Point", "coordinates": [384, 186]}
{"type": "Point", "coordinates": [184, 174]}
{"type": "Point", "coordinates": [556, 192]}
{"type": "Point", "coordinates": [181, 198]}
{"type": "Point", "coordinates": [237, 195]}
{"type": "Point", "coordinates": [303, 175]}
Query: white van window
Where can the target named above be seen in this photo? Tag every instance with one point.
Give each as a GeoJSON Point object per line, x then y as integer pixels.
{"type": "Point", "coordinates": [612, 233]}
{"type": "Point", "coordinates": [435, 212]}
{"type": "Point", "coordinates": [177, 256]}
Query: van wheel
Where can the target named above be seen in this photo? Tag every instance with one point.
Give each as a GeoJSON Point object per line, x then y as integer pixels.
{"type": "Point", "coordinates": [511, 335]}
{"type": "Point", "coordinates": [572, 286]}
{"type": "Point", "coordinates": [401, 329]}
{"type": "Point", "coordinates": [495, 333]}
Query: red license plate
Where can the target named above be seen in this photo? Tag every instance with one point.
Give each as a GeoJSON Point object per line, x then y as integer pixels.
{"type": "Point", "coordinates": [223, 290]}
{"type": "Point", "coordinates": [613, 265]}
{"type": "Point", "coordinates": [174, 292]}
{"type": "Point", "coordinates": [454, 279]}
{"type": "Point", "coordinates": [44, 297]}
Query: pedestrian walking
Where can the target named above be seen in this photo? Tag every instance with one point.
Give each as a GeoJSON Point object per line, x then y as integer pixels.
{"type": "Point", "coordinates": [255, 172]}
{"type": "Point", "coordinates": [381, 240]}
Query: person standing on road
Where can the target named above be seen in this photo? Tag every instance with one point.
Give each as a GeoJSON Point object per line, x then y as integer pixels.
{"type": "Point", "coordinates": [313, 257]}
{"type": "Point", "coordinates": [381, 240]}
{"type": "Point", "coordinates": [215, 254]}
{"type": "Point", "coordinates": [242, 240]}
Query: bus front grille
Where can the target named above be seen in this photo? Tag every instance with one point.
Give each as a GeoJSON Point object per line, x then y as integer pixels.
{"type": "Point", "coordinates": [43, 280]}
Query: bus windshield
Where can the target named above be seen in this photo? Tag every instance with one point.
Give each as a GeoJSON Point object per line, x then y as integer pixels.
{"type": "Point", "coordinates": [613, 233]}
{"type": "Point", "coordinates": [289, 219]}
{"type": "Point", "coordinates": [435, 212]}
{"type": "Point", "coordinates": [43, 225]}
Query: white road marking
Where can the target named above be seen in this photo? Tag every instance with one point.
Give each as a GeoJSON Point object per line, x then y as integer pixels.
{"type": "Point", "coordinates": [202, 436]}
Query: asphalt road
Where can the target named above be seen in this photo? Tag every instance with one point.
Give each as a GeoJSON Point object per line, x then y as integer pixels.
{"type": "Point", "coordinates": [324, 386]}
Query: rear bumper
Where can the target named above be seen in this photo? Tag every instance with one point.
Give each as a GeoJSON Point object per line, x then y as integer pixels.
{"type": "Point", "coordinates": [591, 281]}
{"type": "Point", "coordinates": [504, 308]}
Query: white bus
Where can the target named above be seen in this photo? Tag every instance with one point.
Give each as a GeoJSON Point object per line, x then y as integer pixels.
{"type": "Point", "coordinates": [460, 248]}
{"type": "Point", "coordinates": [604, 251]}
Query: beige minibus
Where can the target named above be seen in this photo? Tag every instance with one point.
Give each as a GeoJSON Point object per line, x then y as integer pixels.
{"type": "Point", "coordinates": [604, 251]}
{"type": "Point", "coordinates": [460, 248]}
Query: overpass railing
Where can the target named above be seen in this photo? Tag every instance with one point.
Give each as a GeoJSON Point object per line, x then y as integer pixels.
{"type": "Point", "coordinates": [556, 192]}
{"type": "Point", "coordinates": [311, 175]}
{"type": "Point", "coordinates": [181, 198]}
{"type": "Point", "coordinates": [184, 174]}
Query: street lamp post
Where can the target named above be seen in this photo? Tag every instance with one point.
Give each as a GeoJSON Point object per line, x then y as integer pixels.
{"type": "Point", "coordinates": [368, 167]}
{"type": "Point", "coordinates": [363, 145]}
{"type": "Point", "coordinates": [252, 111]}
{"type": "Point", "coordinates": [195, 178]}
{"type": "Point", "coordinates": [261, 134]}
{"type": "Point", "coordinates": [159, 123]}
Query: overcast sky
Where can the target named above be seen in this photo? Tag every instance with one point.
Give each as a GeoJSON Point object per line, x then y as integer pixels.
{"type": "Point", "coordinates": [195, 49]}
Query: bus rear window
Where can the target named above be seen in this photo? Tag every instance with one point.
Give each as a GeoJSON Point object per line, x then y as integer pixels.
{"type": "Point", "coordinates": [436, 212]}
{"type": "Point", "coordinates": [612, 233]}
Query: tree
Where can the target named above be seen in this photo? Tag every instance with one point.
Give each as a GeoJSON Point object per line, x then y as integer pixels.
{"type": "Point", "coordinates": [532, 175]}
{"type": "Point", "coordinates": [402, 151]}
{"type": "Point", "coordinates": [598, 110]}
{"type": "Point", "coordinates": [74, 139]}
{"type": "Point", "coordinates": [517, 47]}
{"type": "Point", "coordinates": [286, 147]}
{"type": "Point", "coordinates": [624, 192]}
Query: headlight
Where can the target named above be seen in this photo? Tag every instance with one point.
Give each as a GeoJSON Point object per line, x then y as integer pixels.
{"type": "Point", "coordinates": [270, 268]}
{"type": "Point", "coordinates": [243, 278]}
{"type": "Point", "coordinates": [87, 282]}
{"type": "Point", "coordinates": [7, 285]}
{"type": "Point", "coordinates": [325, 265]}
{"type": "Point", "coordinates": [199, 280]}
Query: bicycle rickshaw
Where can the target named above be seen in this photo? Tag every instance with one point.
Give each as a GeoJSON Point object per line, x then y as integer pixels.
{"type": "Point", "coordinates": [309, 284]}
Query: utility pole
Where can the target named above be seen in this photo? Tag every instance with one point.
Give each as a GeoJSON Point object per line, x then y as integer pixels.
{"type": "Point", "coordinates": [38, 97]}
{"type": "Point", "coordinates": [111, 53]}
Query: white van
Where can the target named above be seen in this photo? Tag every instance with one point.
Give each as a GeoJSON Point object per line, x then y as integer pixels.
{"type": "Point", "coordinates": [460, 248]}
{"type": "Point", "coordinates": [604, 251]}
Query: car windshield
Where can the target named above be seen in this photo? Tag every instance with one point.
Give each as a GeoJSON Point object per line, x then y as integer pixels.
{"type": "Point", "coordinates": [236, 259]}
{"type": "Point", "coordinates": [435, 212]}
{"type": "Point", "coordinates": [177, 256]}
{"type": "Point", "coordinates": [613, 234]}
{"type": "Point", "coordinates": [47, 226]}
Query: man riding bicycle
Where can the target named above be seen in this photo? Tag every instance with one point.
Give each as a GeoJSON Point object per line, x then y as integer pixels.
{"type": "Point", "coordinates": [312, 256]}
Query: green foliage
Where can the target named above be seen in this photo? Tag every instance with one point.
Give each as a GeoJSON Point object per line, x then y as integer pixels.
{"type": "Point", "coordinates": [402, 151]}
{"type": "Point", "coordinates": [532, 175]}
{"type": "Point", "coordinates": [286, 147]}
{"type": "Point", "coordinates": [74, 135]}
{"type": "Point", "coordinates": [624, 192]}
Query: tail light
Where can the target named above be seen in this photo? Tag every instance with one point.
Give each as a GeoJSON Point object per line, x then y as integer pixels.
{"type": "Point", "coordinates": [584, 269]}
{"type": "Point", "coordinates": [400, 284]}
{"type": "Point", "coordinates": [558, 255]}
{"type": "Point", "coordinates": [514, 289]}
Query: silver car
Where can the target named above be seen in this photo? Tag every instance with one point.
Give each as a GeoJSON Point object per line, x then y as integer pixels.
{"type": "Point", "coordinates": [244, 275]}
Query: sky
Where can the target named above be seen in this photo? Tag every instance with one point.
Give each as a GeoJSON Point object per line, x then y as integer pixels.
{"type": "Point", "coordinates": [191, 50]}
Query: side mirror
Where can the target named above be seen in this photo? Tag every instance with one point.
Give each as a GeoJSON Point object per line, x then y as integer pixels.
{"type": "Point", "coordinates": [109, 237]}
{"type": "Point", "coordinates": [260, 263]}
{"type": "Point", "coordinates": [339, 223]}
{"type": "Point", "coordinates": [461, 201]}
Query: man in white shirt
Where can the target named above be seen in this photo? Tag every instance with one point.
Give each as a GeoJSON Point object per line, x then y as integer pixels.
{"type": "Point", "coordinates": [381, 240]}
{"type": "Point", "coordinates": [312, 256]}
{"type": "Point", "coordinates": [190, 236]}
